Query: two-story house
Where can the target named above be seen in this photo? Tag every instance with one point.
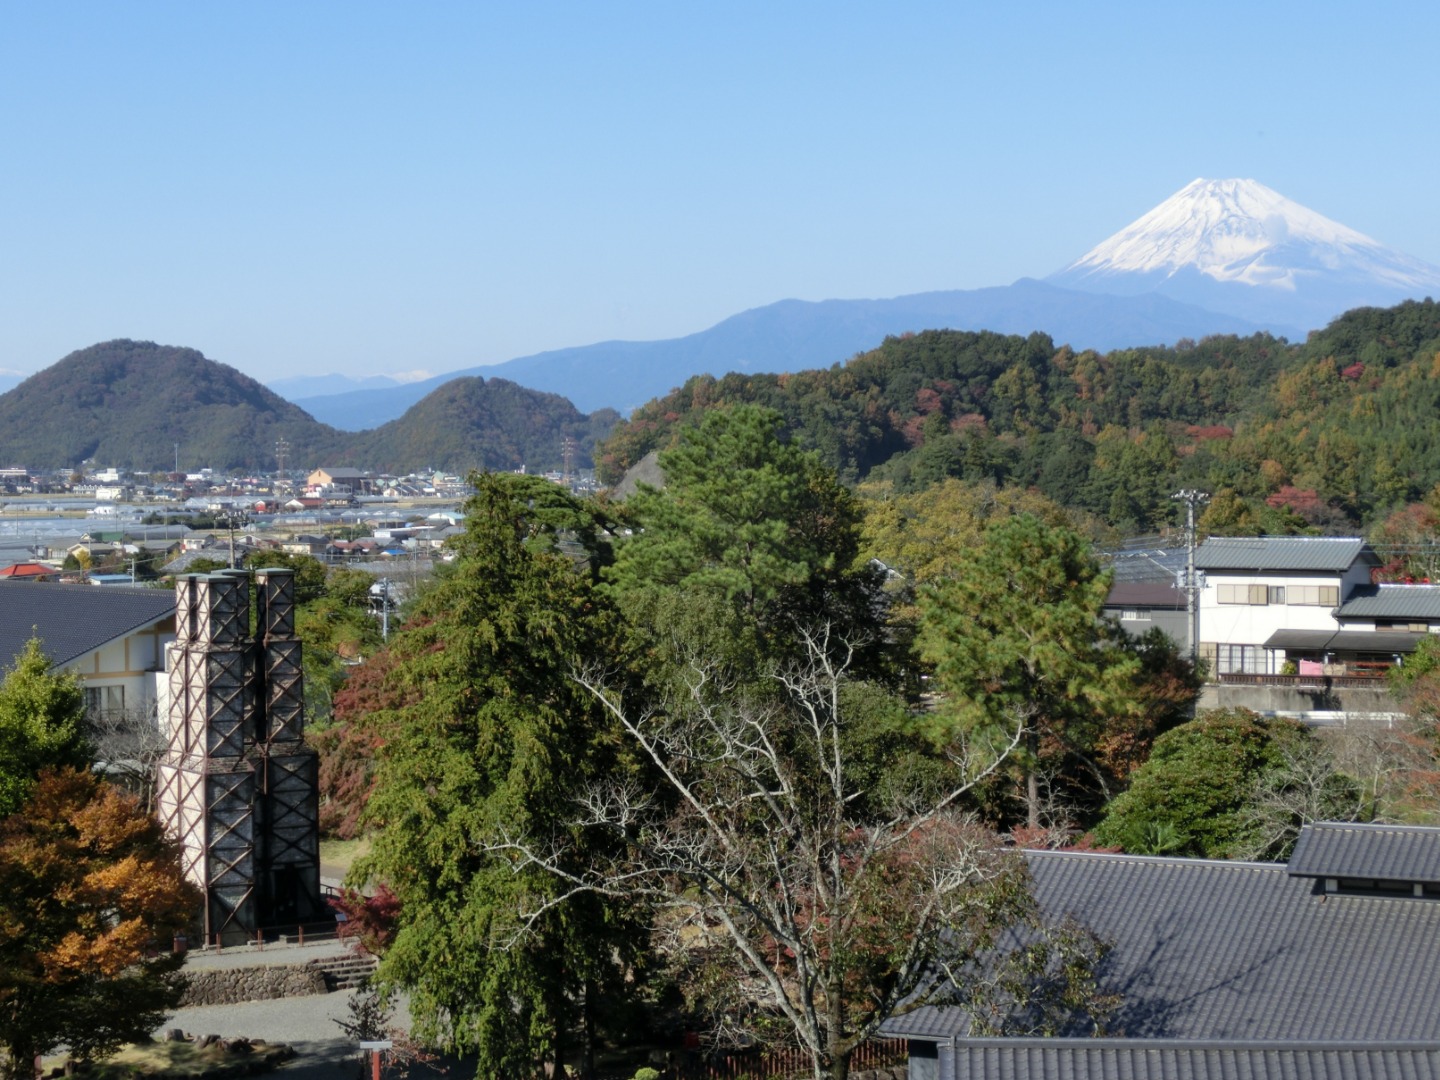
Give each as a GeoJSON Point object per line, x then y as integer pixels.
{"type": "Point", "coordinates": [113, 639]}
{"type": "Point", "coordinates": [1264, 597]}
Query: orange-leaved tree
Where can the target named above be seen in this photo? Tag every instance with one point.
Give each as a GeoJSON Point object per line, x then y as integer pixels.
{"type": "Point", "coordinates": [93, 895]}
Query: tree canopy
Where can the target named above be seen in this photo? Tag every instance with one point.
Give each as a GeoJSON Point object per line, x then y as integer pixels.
{"type": "Point", "coordinates": [92, 889]}
{"type": "Point", "coordinates": [1200, 792]}
{"type": "Point", "coordinates": [1017, 641]}
{"type": "Point", "coordinates": [42, 716]}
{"type": "Point", "coordinates": [1324, 435]}
{"type": "Point", "coordinates": [491, 740]}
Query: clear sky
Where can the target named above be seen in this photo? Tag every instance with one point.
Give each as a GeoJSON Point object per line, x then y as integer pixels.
{"type": "Point", "coordinates": [307, 187]}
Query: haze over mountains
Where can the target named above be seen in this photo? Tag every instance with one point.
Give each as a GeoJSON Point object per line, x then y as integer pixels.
{"type": "Point", "coordinates": [1218, 257]}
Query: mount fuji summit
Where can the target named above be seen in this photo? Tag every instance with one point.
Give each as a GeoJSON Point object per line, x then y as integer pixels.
{"type": "Point", "coordinates": [1239, 248]}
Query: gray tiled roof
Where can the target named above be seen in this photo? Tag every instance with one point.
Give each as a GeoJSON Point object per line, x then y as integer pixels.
{"type": "Point", "coordinates": [1383, 852]}
{"type": "Point", "coordinates": [1318, 554]}
{"type": "Point", "coordinates": [1119, 1059]}
{"type": "Point", "coordinates": [1153, 594]}
{"type": "Point", "coordinates": [1392, 602]}
{"type": "Point", "coordinates": [1360, 641]}
{"type": "Point", "coordinates": [1205, 949]}
{"type": "Point", "coordinates": [71, 620]}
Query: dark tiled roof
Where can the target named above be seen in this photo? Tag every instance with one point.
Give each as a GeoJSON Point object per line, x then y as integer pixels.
{"type": "Point", "coordinates": [1204, 949]}
{"type": "Point", "coordinates": [71, 620]}
{"type": "Point", "coordinates": [1321, 554]}
{"type": "Point", "coordinates": [1392, 602]}
{"type": "Point", "coordinates": [1364, 641]}
{"type": "Point", "coordinates": [1120, 1059]}
{"type": "Point", "coordinates": [1152, 594]}
{"type": "Point", "coordinates": [1383, 852]}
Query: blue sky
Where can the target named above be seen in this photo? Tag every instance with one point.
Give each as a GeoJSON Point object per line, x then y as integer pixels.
{"type": "Point", "coordinates": [298, 188]}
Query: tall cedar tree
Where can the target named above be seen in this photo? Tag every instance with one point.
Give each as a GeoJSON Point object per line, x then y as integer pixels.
{"type": "Point", "coordinates": [496, 743]}
{"type": "Point", "coordinates": [1016, 640]}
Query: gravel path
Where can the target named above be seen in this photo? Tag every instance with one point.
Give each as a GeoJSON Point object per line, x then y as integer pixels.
{"type": "Point", "coordinates": [306, 1023]}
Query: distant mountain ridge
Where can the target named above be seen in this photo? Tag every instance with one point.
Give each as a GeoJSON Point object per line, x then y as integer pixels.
{"type": "Point", "coordinates": [796, 335]}
{"type": "Point", "coordinates": [137, 405]}
{"type": "Point", "coordinates": [1218, 257]}
{"type": "Point", "coordinates": [294, 387]}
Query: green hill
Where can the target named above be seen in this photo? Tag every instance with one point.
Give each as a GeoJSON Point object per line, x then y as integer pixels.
{"type": "Point", "coordinates": [129, 403]}
{"type": "Point", "coordinates": [490, 424]}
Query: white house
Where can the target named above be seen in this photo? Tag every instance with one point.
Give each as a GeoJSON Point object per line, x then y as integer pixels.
{"type": "Point", "coordinates": [1259, 592]}
{"type": "Point", "coordinates": [113, 639]}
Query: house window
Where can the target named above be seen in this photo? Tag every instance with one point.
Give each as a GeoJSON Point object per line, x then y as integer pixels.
{"type": "Point", "coordinates": [1239, 660]}
{"type": "Point", "coordinates": [1245, 594]}
{"type": "Point", "coordinates": [104, 700]}
{"type": "Point", "coordinates": [1315, 595]}
{"type": "Point", "coordinates": [1135, 614]}
{"type": "Point", "coordinates": [1275, 594]}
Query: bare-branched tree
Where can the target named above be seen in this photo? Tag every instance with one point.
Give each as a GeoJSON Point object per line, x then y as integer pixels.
{"type": "Point", "coordinates": [128, 745]}
{"type": "Point", "coordinates": [800, 902]}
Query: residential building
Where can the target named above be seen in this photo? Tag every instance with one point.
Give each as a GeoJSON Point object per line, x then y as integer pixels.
{"type": "Point", "coordinates": [114, 639]}
{"type": "Point", "coordinates": [340, 481]}
{"type": "Point", "coordinates": [1335, 953]}
{"type": "Point", "coordinates": [1142, 606]}
{"type": "Point", "coordinates": [1258, 587]}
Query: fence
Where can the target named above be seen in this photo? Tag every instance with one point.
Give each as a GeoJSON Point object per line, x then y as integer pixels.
{"type": "Point", "coordinates": [778, 1064]}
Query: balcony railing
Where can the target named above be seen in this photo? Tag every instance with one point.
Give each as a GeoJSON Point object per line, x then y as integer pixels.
{"type": "Point", "coordinates": [1372, 680]}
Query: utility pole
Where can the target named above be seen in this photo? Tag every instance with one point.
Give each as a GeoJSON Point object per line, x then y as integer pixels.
{"type": "Point", "coordinates": [1192, 498]}
{"type": "Point", "coordinates": [235, 517]}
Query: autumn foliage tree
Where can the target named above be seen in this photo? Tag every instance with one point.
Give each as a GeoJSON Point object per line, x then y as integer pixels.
{"type": "Point", "coordinates": [92, 897]}
{"type": "Point", "coordinates": [90, 890]}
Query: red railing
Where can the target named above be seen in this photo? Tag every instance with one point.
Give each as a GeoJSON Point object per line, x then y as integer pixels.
{"type": "Point", "coordinates": [789, 1062]}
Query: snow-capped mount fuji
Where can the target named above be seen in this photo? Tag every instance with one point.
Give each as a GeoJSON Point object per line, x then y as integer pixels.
{"type": "Point", "coordinates": [1238, 247]}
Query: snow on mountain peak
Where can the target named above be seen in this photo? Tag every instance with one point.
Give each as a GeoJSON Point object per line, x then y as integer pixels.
{"type": "Point", "coordinates": [1244, 232]}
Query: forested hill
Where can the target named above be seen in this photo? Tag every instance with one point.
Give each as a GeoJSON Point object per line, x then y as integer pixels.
{"type": "Point", "coordinates": [1331, 433]}
{"type": "Point", "coordinates": [488, 423]}
{"type": "Point", "coordinates": [129, 404]}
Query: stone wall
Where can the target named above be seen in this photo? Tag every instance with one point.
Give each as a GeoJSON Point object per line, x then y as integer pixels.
{"type": "Point", "coordinates": [227, 986]}
{"type": "Point", "coordinates": [1312, 704]}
